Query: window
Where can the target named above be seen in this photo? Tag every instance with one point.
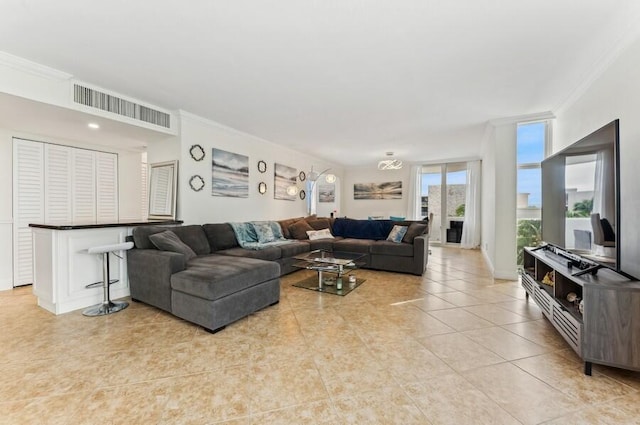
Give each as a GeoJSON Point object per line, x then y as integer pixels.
{"type": "Point", "coordinates": [532, 139]}
{"type": "Point", "coordinates": [448, 211]}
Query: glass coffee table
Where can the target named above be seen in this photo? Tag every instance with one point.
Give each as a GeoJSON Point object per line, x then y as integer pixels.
{"type": "Point", "coordinates": [333, 271]}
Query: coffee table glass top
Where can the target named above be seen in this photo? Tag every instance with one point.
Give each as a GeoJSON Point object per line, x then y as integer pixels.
{"type": "Point", "coordinates": [326, 258]}
{"type": "Point", "coordinates": [335, 264]}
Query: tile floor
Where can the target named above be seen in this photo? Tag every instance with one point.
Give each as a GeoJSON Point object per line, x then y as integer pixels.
{"type": "Point", "coordinates": [451, 347]}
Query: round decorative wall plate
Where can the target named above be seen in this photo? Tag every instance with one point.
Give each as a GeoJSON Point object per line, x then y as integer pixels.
{"type": "Point", "coordinates": [196, 152]}
{"type": "Point", "coordinates": [302, 176]}
{"type": "Point", "coordinates": [302, 194]}
{"type": "Point", "coordinates": [262, 188]}
{"type": "Point", "coordinates": [197, 183]}
{"type": "Point", "coordinates": [262, 166]}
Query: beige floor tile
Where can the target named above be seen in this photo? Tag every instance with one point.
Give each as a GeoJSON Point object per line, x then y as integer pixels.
{"type": "Point", "coordinates": [349, 373]}
{"type": "Point", "coordinates": [507, 345]}
{"type": "Point", "coordinates": [450, 399]}
{"type": "Point", "coordinates": [274, 386]}
{"type": "Point", "coordinates": [317, 412]}
{"type": "Point", "coordinates": [525, 397]}
{"type": "Point", "coordinates": [568, 377]}
{"type": "Point", "coordinates": [409, 361]}
{"type": "Point", "coordinates": [431, 302]}
{"type": "Point", "coordinates": [207, 397]}
{"type": "Point", "coordinates": [386, 353]}
{"type": "Point", "coordinates": [385, 406]}
{"type": "Point", "coordinates": [459, 352]}
{"type": "Point", "coordinates": [460, 299]}
{"type": "Point", "coordinates": [495, 314]}
{"type": "Point", "coordinates": [540, 331]}
{"type": "Point", "coordinates": [460, 319]}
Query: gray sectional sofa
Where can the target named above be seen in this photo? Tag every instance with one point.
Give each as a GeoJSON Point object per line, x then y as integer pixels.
{"type": "Point", "coordinates": [200, 282]}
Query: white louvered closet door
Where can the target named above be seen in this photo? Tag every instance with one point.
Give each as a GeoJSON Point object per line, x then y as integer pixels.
{"type": "Point", "coordinates": [57, 177]}
{"type": "Point", "coordinates": [83, 186]}
{"type": "Point", "coordinates": [28, 205]}
{"type": "Point", "coordinates": [107, 187]}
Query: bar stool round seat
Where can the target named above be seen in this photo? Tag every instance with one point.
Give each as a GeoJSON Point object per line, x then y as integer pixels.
{"type": "Point", "coordinates": [107, 306]}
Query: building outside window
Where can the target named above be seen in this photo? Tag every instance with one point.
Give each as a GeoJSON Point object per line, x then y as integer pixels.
{"type": "Point", "coordinates": [532, 141]}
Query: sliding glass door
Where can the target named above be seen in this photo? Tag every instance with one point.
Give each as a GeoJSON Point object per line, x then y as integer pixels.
{"type": "Point", "coordinates": [443, 195]}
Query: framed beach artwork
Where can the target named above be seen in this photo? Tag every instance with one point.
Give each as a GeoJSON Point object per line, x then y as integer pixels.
{"type": "Point", "coordinates": [283, 178]}
{"type": "Point", "coordinates": [386, 190]}
{"type": "Point", "coordinates": [230, 174]}
{"type": "Point", "coordinates": [326, 193]}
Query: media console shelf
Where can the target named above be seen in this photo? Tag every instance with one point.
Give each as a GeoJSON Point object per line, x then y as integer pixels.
{"type": "Point", "coordinates": [606, 330]}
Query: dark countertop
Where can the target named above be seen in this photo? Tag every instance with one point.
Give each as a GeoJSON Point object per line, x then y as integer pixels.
{"type": "Point", "coordinates": [122, 223]}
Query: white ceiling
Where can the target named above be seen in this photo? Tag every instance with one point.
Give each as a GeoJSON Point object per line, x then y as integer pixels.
{"type": "Point", "coordinates": [347, 80]}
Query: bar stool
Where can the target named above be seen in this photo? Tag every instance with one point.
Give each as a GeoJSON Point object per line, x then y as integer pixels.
{"type": "Point", "coordinates": [107, 306]}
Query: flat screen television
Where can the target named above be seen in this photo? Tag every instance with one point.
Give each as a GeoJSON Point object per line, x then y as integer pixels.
{"type": "Point", "coordinates": [578, 183]}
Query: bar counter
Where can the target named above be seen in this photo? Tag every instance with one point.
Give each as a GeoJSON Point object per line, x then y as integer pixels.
{"type": "Point", "coordinates": [62, 267]}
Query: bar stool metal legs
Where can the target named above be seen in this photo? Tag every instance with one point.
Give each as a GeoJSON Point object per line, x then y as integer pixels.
{"type": "Point", "coordinates": [107, 306]}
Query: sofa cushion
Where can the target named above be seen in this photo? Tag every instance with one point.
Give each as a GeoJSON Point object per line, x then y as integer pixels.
{"type": "Point", "coordinates": [220, 236]}
{"type": "Point", "coordinates": [397, 233]}
{"type": "Point", "coordinates": [298, 230]}
{"type": "Point", "coordinates": [213, 276]}
{"type": "Point", "coordinates": [401, 249]}
{"type": "Point", "coordinates": [294, 248]}
{"type": "Point", "coordinates": [192, 235]}
{"type": "Point", "coordinates": [353, 245]}
{"type": "Point", "coordinates": [168, 241]}
{"type": "Point", "coordinates": [325, 244]}
{"type": "Point", "coordinates": [319, 223]}
{"type": "Point", "coordinates": [415, 229]}
{"type": "Point", "coordinates": [271, 253]}
{"type": "Point", "coordinates": [362, 229]}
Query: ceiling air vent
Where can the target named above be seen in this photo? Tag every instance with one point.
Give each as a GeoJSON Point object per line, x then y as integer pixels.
{"type": "Point", "coordinates": [106, 102]}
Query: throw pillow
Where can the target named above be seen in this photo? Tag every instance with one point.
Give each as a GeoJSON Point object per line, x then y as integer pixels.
{"type": "Point", "coordinates": [415, 229]}
{"type": "Point", "coordinates": [169, 241]}
{"type": "Point", "coordinates": [264, 231]}
{"type": "Point", "coordinates": [319, 223]}
{"type": "Point", "coordinates": [396, 218]}
{"type": "Point", "coordinates": [397, 233]}
{"type": "Point", "coordinates": [319, 234]}
{"type": "Point", "coordinates": [298, 230]}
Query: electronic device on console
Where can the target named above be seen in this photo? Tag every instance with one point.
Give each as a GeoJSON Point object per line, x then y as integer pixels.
{"type": "Point", "coordinates": [570, 260]}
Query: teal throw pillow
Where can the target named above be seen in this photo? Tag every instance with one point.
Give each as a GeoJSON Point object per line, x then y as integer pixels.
{"type": "Point", "coordinates": [264, 231]}
{"type": "Point", "coordinates": [396, 218]}
{"type": "Point", "coordinates": [397, 233]}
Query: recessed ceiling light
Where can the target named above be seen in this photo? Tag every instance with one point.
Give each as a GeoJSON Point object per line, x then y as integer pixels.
{"type": "Point", "coordinates": [94, 125]}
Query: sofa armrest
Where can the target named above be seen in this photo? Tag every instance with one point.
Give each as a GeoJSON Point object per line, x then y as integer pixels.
{"type": "Point", "coordinates": [150, 273]}
{"type": "Point", "coordinates": [421, 252]}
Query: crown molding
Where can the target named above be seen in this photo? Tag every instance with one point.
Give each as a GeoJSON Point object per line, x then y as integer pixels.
{"type": "Point", "coordinates": [540, 116]}
{"type": "Point", "coordinates": [33, 68]}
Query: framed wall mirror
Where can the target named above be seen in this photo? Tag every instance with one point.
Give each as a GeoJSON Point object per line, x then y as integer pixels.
{"type": "Point", "coordinates": [163, 187]}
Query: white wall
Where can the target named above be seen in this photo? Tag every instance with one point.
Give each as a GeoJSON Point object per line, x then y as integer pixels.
{"type": "Point", "coordinates": [202, 207]}
{"type": "Point", "coordinates": [488, 198]}
{"type": "Point", "coordinates": [615, 94]}
{"type": "Point", "coordinates": [363, 208]}
{"type": "Point", "coordinates": [499, 200]}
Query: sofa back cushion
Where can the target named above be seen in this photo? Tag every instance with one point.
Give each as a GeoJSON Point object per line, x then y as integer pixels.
{"type": "Point", "coordinates": [220, 236]}
{"type": "Point", "coordinates": [169, 241]}
{"type": "Point", "coordinates": [362, 229]}
{"type": "Point", "coordinates": [192, 235]}
{"type": "Point", "coordinates": [415, 229]}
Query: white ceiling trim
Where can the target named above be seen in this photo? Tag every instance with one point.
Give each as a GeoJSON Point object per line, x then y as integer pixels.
{"type": "Point", "coordinates": [32, 68]}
